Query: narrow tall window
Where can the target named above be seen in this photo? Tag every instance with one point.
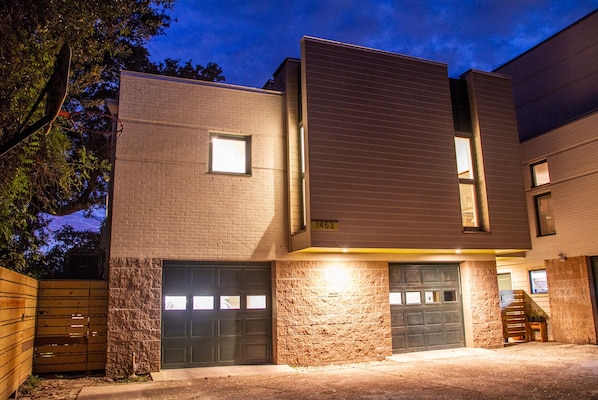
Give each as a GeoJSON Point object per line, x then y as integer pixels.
{"type": "Point", "coordinates": [540, 174]}
{"type": "Point", "coordinates": [230, 154]}
{"type": "Point", "coordinates": [468, 184]}
{"type": "Point", "coordinates": [302, 174]}
{"type": "Point", "coordinates": [544, 215]}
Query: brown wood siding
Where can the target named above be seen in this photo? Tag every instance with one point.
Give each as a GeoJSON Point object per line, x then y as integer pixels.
{"type": "Point", "coordinates": [567, 70]}
{"type": "Point", "coordinates": [71, 326]}
{"type": "Point", "coordinates": [496, 131]}
{"type": "Point", "coordinates": [381, 152]}
{"type": "Point", "coordinates": [18, 301]}
{"type": "Point", "coordinates": [290, 75]}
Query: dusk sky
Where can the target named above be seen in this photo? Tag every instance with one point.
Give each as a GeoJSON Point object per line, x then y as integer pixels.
{"type": "Point", "coordinates": [250, 39]}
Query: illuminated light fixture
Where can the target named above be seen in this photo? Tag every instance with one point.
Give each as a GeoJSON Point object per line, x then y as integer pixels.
{"type": "Point", "coordinates": [458, 251]}
{"type": "Point", "coordinates": [336, 278]}
{"type": "Point", "coordinates": [345, 250]}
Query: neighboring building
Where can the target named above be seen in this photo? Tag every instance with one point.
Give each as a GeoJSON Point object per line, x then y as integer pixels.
{"type": "Point", "coordinates": [555, 87]}
{"type": "Point", "coordinates": [353, 209]}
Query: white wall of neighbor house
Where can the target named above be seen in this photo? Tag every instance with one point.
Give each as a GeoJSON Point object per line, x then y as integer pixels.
{"type": "Point", "coordinates": [571, 152]}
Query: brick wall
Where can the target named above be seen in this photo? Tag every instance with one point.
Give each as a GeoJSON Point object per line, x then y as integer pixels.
{"type": "Point", "coordinates": [165, 203]}
{"type": "Point", "coordinates": [569, 284]}
{"type": "Point", "coordinates": [331, 312]}
{"type": "Point", "coordinates": [135, 290]}
{"type": "Point", "coordinates": [481, 307]}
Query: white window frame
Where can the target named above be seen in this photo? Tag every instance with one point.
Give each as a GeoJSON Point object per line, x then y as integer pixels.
{"type": "Point", "coordinates": [237, 161]}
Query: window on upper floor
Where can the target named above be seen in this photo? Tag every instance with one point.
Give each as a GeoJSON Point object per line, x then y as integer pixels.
{"type": "Point", "coordinates": [544, 216]}
{"type": "Point", "coordinates": [230, 154]}
{"type": "Point", "coordinates": [468, 183]}
{"type": "Point", "coordinates": [540, 174]}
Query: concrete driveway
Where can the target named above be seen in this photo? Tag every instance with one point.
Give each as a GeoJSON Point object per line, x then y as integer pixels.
{"type": "Point", "coordinates": [525, 371]}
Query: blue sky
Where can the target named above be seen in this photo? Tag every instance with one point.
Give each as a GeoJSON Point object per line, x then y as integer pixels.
{"type": "Point", "coordinates": [250, 39]}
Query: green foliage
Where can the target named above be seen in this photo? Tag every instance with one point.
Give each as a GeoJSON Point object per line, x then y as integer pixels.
{"type": "Point", "coordinates": [28, 387]}
{"type": "Point", "coordinates": [66, 167]}
{"type": "Point", "coordinates": [171, 67]}
{"type": "Point", "coordinates": [64, 242]}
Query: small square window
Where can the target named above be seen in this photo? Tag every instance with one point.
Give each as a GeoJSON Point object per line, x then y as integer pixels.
{"type": "Point", "coordinates": [230, 154]}
{"type": "Point", "coordinates": [538, 282]}
{"type": "Point", "coordinates": [544, 217]}
{"type": "Point", "coordinates": [395, 298]}
{"type": "Point", "coordinates": [540, 174]}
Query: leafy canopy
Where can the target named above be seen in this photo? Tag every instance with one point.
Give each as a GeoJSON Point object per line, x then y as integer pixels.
{"type": "Point", "coordinates": [67, 169]}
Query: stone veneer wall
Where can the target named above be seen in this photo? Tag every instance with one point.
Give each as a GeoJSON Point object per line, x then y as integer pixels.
{"type": "Point", "coordinates": [481, 305]}
{"type": "Point", "coordinates": [134, 298]}
{"type": "Point", "coordinates": [571, 313]}
{"type": "Point", "coordinates": [329, 312]}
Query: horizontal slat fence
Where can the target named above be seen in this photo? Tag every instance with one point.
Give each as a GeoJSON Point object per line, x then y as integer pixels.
{"type": "Point", "coordinates": [71, 326]}
{"type": "Point", "coordinates": [18, 299]}
{"type": "Point", "coordinates": [512, 307]}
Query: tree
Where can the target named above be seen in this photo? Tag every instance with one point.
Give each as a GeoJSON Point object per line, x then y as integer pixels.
{"type": "Point", "coordinates": [172, 67]}
{"type": "Point", "coordinates": [66, 169]}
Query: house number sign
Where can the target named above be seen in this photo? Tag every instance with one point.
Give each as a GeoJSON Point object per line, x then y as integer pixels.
{"type": "Point", "coordinates": [324, 225]}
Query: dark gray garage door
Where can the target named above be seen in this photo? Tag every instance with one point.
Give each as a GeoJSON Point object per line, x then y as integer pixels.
{"type": "Point", "coordinates": [426, 309]}
{"type": "Point", "coordinates": [216, 314]}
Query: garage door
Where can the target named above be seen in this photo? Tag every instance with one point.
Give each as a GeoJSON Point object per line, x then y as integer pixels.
{"type": "Point", "coordinates": [426, 308]}
{"type": "Point", "coordinates": [216, 314]}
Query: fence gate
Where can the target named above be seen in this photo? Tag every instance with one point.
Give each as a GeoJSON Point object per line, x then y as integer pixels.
{"type": "Point", "coordinates": [512, 308]}
{"type": "Point", "coordinates": [71, 326]}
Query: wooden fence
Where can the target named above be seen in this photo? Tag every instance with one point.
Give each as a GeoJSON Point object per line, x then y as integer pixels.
{"type": "Point", "coordinates": [71, 326]}
{"type": "Point", "coordinates": [512, 307]}
{"type": "Point", "coordinates": [18, 298]}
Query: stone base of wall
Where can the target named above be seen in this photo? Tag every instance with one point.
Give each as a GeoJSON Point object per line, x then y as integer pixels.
{"type": "Point", "coordinates": [331, 312]}
{"type": "Point", "coordinates": [135, 290]}
{"type": "Point", "coordinates": [481, 305]}
{"type": "Point", "coordinates": [572, 316]}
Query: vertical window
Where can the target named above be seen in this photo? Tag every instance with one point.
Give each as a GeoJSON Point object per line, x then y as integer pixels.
{"type": "Point", "coordinates": [230, 154]}
{"type": "Point", "coordinates": [540, 174]}
{"type": "Point", "coordinates": [544, 217]}
{"type": "Point", "coordinates": [302, 174]}
{"type": "Point", "coordinates": [467, 183]}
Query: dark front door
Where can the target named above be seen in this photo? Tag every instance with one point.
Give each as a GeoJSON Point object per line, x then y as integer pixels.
{"type": "Point", "coordinates": [216, 314]}
{"type": "Point", "coordinates": [426, 309]}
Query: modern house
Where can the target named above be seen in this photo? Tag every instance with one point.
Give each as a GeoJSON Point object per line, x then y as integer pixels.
{"type": "Point", "coordinates": [353, 208]}
{"type": "Point", "coordinates": [555, 87]}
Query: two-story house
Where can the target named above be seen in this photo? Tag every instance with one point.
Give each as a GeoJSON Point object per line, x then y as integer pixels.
{"type": "Point", "coordinates": [353, 208]}
{"type": "Point", "coordinates": [555, 88]}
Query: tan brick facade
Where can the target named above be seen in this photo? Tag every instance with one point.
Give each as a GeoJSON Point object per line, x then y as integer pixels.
{"type": "Point", "coordinates": [317, 323]}
{"type": "Point", "coordinates": [570, 286]}
{"type": "Point", "coordinates": [166, 204]}
{"type": "Point", "coordinates": [481, 308]}
{"type": "Point", "coordinates": [135, 291]}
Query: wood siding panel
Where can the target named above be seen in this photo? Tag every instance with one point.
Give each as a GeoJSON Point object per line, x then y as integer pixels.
{"type": "Point", "coordinates": [496, 134]}
{"type": "Point", "coordinates": [567, 71]}
{"type": "Point", "coordinates": [18, 301]}
{"type": "Point", "coordinates": [381, 151]}
{"type": "Point", "coordinates": [71, 326]}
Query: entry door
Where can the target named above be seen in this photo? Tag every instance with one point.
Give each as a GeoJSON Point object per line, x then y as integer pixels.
{"type": "Point", "coordinates": [426, 308]}
{"type": "Point", "coordinates": [216, 314]}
